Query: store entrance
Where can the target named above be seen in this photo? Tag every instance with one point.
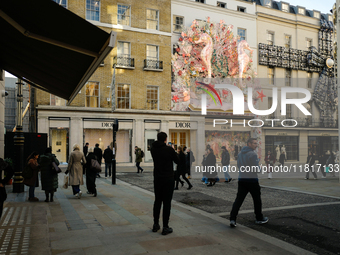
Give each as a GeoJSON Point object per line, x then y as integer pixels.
{"type": "Point", "coordinates": [179, 138]}
{"type": "Point", "coordinates": [322, 144]}
{"type": "Point", "coordinates": [59, 143]}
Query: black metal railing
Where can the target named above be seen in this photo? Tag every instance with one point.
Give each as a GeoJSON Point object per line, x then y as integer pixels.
{"type": "Point", "coordinates": [153, 64]}
{"type": "Point", "coordinates": [125, 62]}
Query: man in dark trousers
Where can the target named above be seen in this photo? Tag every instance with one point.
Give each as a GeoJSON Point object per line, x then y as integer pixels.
{"type": "Point", "coordinates": [8, 173]}
{"type": "Point", "coordinates": [225, 160]}
{"type": "Point", "coordinates": [108, 157]}
{"type": "Point", "coordinates": [163, 157]}
{"type": "Point", "coordinates": [248, 164]}
{"type": "Point", "coordinates": [85, 151]}
{"type": "Point", "coordinates": [99, 153]}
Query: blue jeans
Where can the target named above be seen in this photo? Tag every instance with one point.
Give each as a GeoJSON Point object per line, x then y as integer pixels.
{"type": "Point", "coordinates": [108, 166]}
{"type": "Point", "coordinates": [75, 189]}
{"type": "Point", "coordinates": [225, 171]}
{"type": "Point", "coordinates": [138, 167]}
{"type": "Point", "coordinates": [31, 191]}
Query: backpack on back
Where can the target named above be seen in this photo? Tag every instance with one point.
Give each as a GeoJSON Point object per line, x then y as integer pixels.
{"type": "Point", "coordinates": [142, 154]}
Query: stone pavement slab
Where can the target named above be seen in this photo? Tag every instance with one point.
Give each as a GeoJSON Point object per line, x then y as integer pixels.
{"type": "Point", "coordinates": [119, 221]}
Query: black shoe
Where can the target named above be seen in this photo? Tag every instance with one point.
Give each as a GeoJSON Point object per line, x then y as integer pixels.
{"type": "Point", "coordinates": [166, 231]}
{"type": "Point", "coordinates": [232, 223]}
{"type": "Point", "coordinates": [141, 171]}
{"type": "Point", "coordinates": [182, 184]}
{"type": "Point", "coordinates": [230, 179]}
{"type": "Point", "coordinates": [190, 187]}
{"type": "Point", "coordinates": [175, 188]}
{"type": "Point", "coordinates": [89, 192]}
{"type": "Point", "coordinates": [263, 221]}
{"type": "Point", "coordinates": [214, 183]}
{"type": "Point", "coordinates": [209, 185]}
{"type": "Point", "coordinates": [95, 194]}
{"type": "Point", "coordinates": [155, 227]}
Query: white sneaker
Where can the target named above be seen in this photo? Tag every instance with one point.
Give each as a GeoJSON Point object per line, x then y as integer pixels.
{"type": "Point", "coordinates": [80, 193]}
{"type": "Point", "coordinates": [323, 176]}
{"type": "Point", "coordinates": [270, 175]}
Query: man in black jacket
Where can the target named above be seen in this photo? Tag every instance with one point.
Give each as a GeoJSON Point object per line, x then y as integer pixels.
{"type": "Point", "coordinates": [163, 158]}
{"type": "Point", "coordinates": [99, 154]}
{"type": "Point", "coordinates": [225, 160]}
{"type": "Point", "coordinates": [108, 157]}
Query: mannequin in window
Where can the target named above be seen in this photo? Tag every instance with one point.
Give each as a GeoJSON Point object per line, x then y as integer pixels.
{"type": "Point", "coordinates": [277, 152]}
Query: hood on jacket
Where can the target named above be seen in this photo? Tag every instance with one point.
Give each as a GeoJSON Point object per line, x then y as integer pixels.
{"type": "Point", "coordinates": [246, 149]}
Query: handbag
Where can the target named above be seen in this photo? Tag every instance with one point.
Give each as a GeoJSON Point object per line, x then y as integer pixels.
{"type": "Point", "coordinates": [56, 168]}
{"type": "Point", "coordinates": [95, 166]}
{"type": "Point", "coordinates": [65, 186]}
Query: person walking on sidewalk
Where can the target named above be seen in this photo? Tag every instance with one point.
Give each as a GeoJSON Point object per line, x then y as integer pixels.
{"type": "Point", "coordinates": [75, 169]}
{"type": "Point", "coordinates": [225, 160]}
{"type": "Point", "coordinates": [322, 162]}
{"type": "Point", "coordinates": [49, 177]}
{"type": "Point", "coordinates": [139, 158]}
{"type": "Point", "coordinates": [85, 151]}
{"type": "Point", "coordinates": [189, 158]}
{"type": "Point", "coordinates": [210, 166]}
{"type": "Point", "coordinates": [99, 154]}
{"type": "Point", "coordinates": [108, 157]}
{"type": "Point", "coordinates": [282, 158]}
{"type": "Point", "coordinates": [33, 181]}
{"type": "Point", "coordinates": [91, 173]}
{"type": "Point", "coordinates": [270, 161]}
{"type": "Point", "coordinates": [163, 157]}
{"type": "Point", "coordinates": [6, 173]}
{"type": "Point", "coordinates": [181, 169]}
{"type": "Point", "coordinates": [310, 162]}
{"type": "Point", "coordinates": [248, 165]}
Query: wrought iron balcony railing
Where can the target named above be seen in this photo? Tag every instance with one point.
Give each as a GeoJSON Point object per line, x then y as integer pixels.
{"type": "Point", "coordinates": [126, 62]}
{"type": "Point", "coordinates": [154, 65]}
{"type": "Point", "coordinates": [301, 122]}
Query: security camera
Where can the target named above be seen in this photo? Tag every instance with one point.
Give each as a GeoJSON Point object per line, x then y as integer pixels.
{"type": "Point", "coordinates": [4, 93]}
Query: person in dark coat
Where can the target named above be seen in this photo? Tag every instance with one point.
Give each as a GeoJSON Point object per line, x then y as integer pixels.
{"type": "Point", "coordinates": [163, 157]}
{"type": "Point", "coordinates": [310, 162]}
{"type": "Point", "coordinates": [181, 169]}
{"type": "Point", "coordinates": [210, 164]}
{"type": "Point", "coordinates": [108, 157]}
{"type": "Point", "coordinates": [99, 154]}
{"type": "Point", "coordinates": [322, 162]}
{"type": "Point", "coordinates": [270, 161]}
{"type": "Point", "coordinates": [49, 177]}
{"type": "Point", "coordinates": [282, 158]}
{"type": "Point", "coordinates": [189, 158]}
{"type": "Point", "coordinates": [8, 173]}
{"type": "Point", "coordinates": [225, 161]}
{"type": "Point", "coordinates": [32, 162]}
{"type": "Point", "coordinates": [91, 173]}
{"type": "Point", "coordinates": [85, 151]}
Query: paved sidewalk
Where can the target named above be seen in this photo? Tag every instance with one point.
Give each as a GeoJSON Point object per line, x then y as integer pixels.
{"type": "Point", "coordinates": [119, 221]}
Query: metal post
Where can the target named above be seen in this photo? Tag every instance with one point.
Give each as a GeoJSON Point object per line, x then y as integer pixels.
{"type": "Point", "coordinates": [338, 59]}
{"type": "Point", "coordinates": [114, 158]}
{"type": "Point", "coordinates": [19, 140]}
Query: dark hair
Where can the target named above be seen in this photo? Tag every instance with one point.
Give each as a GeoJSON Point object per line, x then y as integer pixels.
{"type": "Point", "coordinates": [211, 150]}
{"type": "Point", "coordinates": [87, 144]}
{"type": "Point", "coordinates": [161, 136]}
{"type": "Point", "coordinates": [250, 140]}
{"type": "Point", "coordinates": [48, 150]}
{"type": "Point", "coordinates": [97, 144]}
{"type": "Point", "coordinates": [223, 148]}
{"type": "Point", "coordinates": [33, 154]}
{"type": "Point", "coordinates": [184, 148]}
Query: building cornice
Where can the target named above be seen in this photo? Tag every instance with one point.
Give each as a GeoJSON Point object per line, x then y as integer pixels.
{"type": "Point", "coordinates": [285, 20]}
{"type": "Point", "coordinates": [128, 28]}
{"type": "Point", "coordinates": [215, 9]}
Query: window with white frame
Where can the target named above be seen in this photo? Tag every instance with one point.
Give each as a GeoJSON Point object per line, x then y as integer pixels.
{"type": "Point", "coordinates": [57, 101]}
{"type": "Point", "coordinates": [301, 11]}
{"type": "Point", "coordinates": [92, 10]}
{"type": "Point", "coordinates": [309, 43]}
{"type": "Point", "coordinates": [270, 75]}
{"type": "Point", "coordinates": [178, 23]}
{"type": "Point", "coordinates": [123, 15]}
{"type": "Point", "coordinates": [270, 38]}
{"type": "Point", "coordinates": [270, 104]}
{"type": "Point", "coordinates": [123, 96]}
{"type": "Point", "coordinates": [288, 111]}
{"type": "Point", "coordinates": [221, 4]}
{"type": "Point", "coordinates": [288, 40]}
{"type": "Point", "coordinates": [152, 98]}
{"type": "Point", "coordinates": [288, 77]}
{"type": "Point", "coordinates": [152, 52]}
{"type": "Point", "coordinates": [241, 32]}
{"type": "Point", "coordinates": [316, 14]}
{"type": "Point", "coordinates": [63, 3]}
{"type": "Point", "coordinates": [268, 3]}
{"type": "Point", "coordinates": [123, 49]}
{"type": "Point", "coordinates": [309, 80]}
{"type": "Point", "coordinates": [284, 7]}
{"type": "Point", "coordinates": [152, 17]}
{"type": "Point", "coordinates": [241, 9]}
{"type": "Point", "coordinates": [92, 94]}
{"type": "Point", "coordinates": [330, 18]}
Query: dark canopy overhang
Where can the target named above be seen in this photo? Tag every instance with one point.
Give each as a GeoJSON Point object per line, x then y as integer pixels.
{"type": "Point", "coordinates": [50, 47]}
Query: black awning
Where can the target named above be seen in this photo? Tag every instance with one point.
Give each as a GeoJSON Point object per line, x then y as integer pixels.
{"type": "Point", "coordinates": [50, 47]}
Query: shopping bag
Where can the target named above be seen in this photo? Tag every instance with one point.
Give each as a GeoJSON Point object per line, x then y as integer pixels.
{"type": "Point", "coordinates": [65, 186]}
{"type": "Point", "coordinates": [327, 169]}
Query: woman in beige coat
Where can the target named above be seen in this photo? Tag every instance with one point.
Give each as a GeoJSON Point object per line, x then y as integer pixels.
{"type": "Point", "coordinates": [75, 168]}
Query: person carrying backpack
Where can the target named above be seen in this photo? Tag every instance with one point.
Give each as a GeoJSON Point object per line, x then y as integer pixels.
{"type": "Point", "coordinates": [139, 158]}
{"type": "Point", "coordinates": [49, 177]}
